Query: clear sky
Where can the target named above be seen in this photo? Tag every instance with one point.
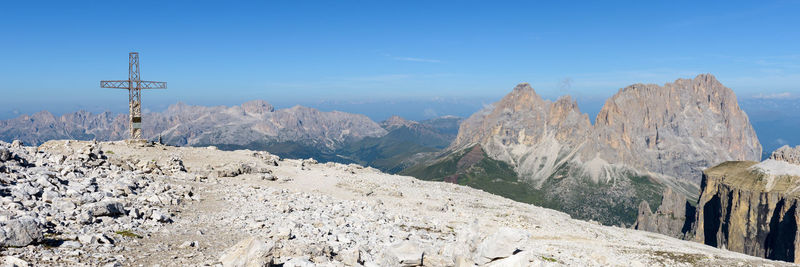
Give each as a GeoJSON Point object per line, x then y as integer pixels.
{"type": "Point", "coordinates": [53, 54]}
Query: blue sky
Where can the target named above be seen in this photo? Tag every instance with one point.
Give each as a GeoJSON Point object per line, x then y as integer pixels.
{"type": "Point", "coordinates": [53, 54]}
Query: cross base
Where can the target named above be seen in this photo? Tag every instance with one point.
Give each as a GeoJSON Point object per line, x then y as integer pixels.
{"type": "Point", "coordinates": [139, 142]}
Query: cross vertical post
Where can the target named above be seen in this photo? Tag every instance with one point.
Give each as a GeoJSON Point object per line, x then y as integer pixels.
{"type": "Point", "coordinates": [135, 96]}
{"type": "Point", "coordinates": [134, 84]}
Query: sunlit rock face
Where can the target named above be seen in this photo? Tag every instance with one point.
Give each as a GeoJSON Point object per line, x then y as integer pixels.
{"type": "Point", "coordinates": [645, 138]}
{"type": "Point", "coordinates": [676, 130]}
{"type": "Point", "coordinates": [746, 207]}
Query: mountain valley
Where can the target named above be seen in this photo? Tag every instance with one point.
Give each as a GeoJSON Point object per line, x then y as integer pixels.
{"type": "Point", "coordinates": [644, 163]}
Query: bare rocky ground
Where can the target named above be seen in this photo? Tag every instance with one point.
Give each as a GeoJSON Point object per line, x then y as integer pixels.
{"type": "Point", "coordinates": [115, 203]}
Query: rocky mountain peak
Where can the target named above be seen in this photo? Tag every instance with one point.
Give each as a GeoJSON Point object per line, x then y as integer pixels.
{"type": "Point", "coordinates": [44, 116]}
{"type": "Point", "coordinates": [647, 125]}
{"type": "Point", "coordinates": [669, 133]}
{"type": "Point", "coordinates": [523, 92]}
{"type": "Point", "coordinates": [787, 154]}
{"type": "Point", "coordinates": [395, 122]}
{"type": "Point", "coordinates": [257, 107]}
{"type": "Point", "coordinates": [566, 103]}
{"type": "Point", "coordinates": [707, 77]}
{"type": "Point", "coordinates": [523, 87]}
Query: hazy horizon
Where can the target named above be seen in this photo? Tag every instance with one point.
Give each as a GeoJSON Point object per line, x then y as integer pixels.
{"type": "Point", "coordinates": [56, 53]}
{"type": "Point", "coordinates": [773, 117]}
{"type": "Point", "coordinates": [417, 60]}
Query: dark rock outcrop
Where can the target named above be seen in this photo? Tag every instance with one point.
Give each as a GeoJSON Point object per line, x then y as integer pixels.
{"type": "Point", "coordinates": [743, 209]}
{"type": "Point", "coordinates": [674, 217]}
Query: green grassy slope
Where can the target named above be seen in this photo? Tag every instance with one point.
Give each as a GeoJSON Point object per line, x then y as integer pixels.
{"type": "Point", "coordinates": [611, 203]}
{"type": "Point", "coordinates": [389, 153]}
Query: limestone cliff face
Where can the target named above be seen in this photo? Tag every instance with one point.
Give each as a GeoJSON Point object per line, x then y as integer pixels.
{"type": "Point", "coordinates": [645, 137]}
{"type": "Point", "coordinates": [677, 129]}
{"type": "Point", "coordinates": [744, 209]}
{"type": "Point", "coordinates": [670, 218]}
{"type": "Point", "coordinates": [530, 133]}
{"type": "Point", "coordinates": [787, 154]}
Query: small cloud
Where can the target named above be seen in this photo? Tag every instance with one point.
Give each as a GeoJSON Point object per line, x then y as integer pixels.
{"type": "Point", "coordinates": [785, 95]}
{"type": "Point", "coordinates": [565, 84]}
{"type": "Point", "coordinates": [430, 113]}
{"type": "Point", "coordinates": [780, 141]}
{"type": "Point", "coordinates": [416, 59]}
{"type": "Point", "coordinates": [378, 78]}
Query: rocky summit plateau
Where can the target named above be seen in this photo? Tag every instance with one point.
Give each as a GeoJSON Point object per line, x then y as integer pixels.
{"type": "Point", "coordinates": [85, 203]}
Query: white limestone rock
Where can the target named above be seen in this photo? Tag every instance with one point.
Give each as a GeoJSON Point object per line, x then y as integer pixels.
{"type": "Point", "coordinates": [250, 252]}
{"type": "Point", "coordinates": [20, 232]}
{"type": "Point", "coordinates": [407, 253]}
{"type": "Point", "coordinates": [502, 244]}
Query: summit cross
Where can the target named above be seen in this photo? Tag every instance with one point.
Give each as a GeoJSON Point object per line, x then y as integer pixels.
{"type": "Point", "coordinates": [134, 84]}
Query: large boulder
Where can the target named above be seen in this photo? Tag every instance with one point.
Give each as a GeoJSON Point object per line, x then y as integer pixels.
{"type": "Point", "coordinates": [106, 208]}
{"type": "Point", "coordinates": [20, 232]}
{"type": "Point", "coordinates": [250, 252]}
{"type": "Point", "coordinates": [502, 244]}
{"type": "Point", "coordinates": [11, 261]}
{"type": "Point", "coordinates": [407, 253]}
{"type": "Point", "coordinates": [5, 155]}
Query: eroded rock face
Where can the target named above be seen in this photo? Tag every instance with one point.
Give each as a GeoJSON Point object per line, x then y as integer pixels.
{"type": "Point", "coordinates": [677, 130]}
{"type": "Point", "coordinates": [645, 138]}
{"type": "Point", "coordinates": [670, 218]}
{"type": "Point", "coordinates": [526, 130]}
{"type": "Point", "coordinates": [257, 107]}
{"type": "Point", "coordinates": [745, 210]}
{"type": "Point", "coordinates": [787, 154]}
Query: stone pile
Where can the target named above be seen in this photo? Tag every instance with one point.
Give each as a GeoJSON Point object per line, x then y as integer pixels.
{"type": "Point", "coordinates": [80, 203]}
{"type": "Point", "coordinates": [288, 228]}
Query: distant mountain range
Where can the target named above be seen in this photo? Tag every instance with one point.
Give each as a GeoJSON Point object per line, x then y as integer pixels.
{"type": "Point", "coordinates": [297, 132]}
{"type": "Point", "coordinates": [646, 138]}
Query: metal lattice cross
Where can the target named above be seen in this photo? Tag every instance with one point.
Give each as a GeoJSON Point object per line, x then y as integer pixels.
{"type": "Point", "coordinates": [134, 85]}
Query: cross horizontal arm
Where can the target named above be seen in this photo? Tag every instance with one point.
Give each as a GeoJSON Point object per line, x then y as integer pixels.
{"type": "Point", "coordinates": [125, 84]}
{"type": "Point", "coordinates": [115, 84]}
